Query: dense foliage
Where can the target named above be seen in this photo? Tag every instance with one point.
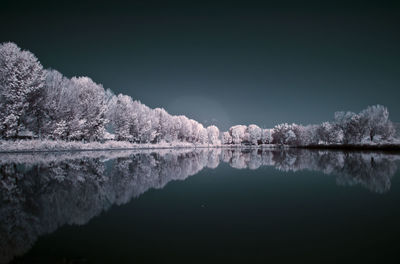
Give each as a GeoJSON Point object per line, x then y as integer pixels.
{"type": "Point", "coordinates": [371, 125]}
{"type": "Point", "coordinates": [38, 103]}
{"type": "Point", "coordinates": [44, 104]}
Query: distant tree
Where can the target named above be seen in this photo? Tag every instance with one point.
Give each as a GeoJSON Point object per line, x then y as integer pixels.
{"type": "Point", "coordinates": [21, 84]}
{"type": "Point", "coordinates": [329, 133]}
{"type": "Point", "coordinates": [309, 135]}
{"type": "Point", "coordinates": [213, 135]}
{"type": "Point", "coordinates": [290, 137]}
{"type": "Point", "coordinates": [121, 121]}
{"type": "Point", "coordinates": [287, 134]}
{"type": "Point", "coordinates": [196, 129]}
{"type": "Point", "coordinates": [266, 136]}
{"type": "Point", "coordinates": [238, 134]}
{"type": "Point", "coordinates": [297, 131]}
{"type": "Point", "coordinates": [186, 129]}
{"type": "Point", "coordinates": [226, 138]}
{"type": "Point", "coordinates": [279, 134]}
{"type": "Point", "coordinates": [377, 121]}
{"type": "Point", "coordinates": [204, 136]}
{"type": "Point", "coordinates": [143, 128]}
{"type": "Point", "coordinates": [176, 127]}
{"type": "Point", "coordinates": [254, 134]}
{"type": "Point", "coordinates": [163, 126]}
{"type": "Point", "coordinates": [352, 125]}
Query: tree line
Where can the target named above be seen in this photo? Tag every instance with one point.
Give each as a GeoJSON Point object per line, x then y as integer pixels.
{"type": "Point", "coordinates": [370, 125]}
{"type": "Point", "coordinates": [42, 103]}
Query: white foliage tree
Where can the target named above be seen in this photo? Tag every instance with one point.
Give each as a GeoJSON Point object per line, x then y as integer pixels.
{"type": "Point", "coordinates": [21, 83]}
{"type": "Point", "coordinates": [266, 136]}
{"type": "Point", "coordinates": [121, 121]}
{"type": "Point", "coordinates": [308, 135]}
{"type": "Point", "coordinates": [59, 101]}
{"type": "Point", "coordinates": [377, 121]}
{"type": "Point", "coordinates": [186, 129]}
{"type": "Point", "coordinates": [238, 134]}
{"type": "Point", "coordinates": [213, 135]}
{"type": "Point", "coordinates": [254, 134]}
{"type": "Point", "coordinates": [89, 109]}
{"type": "Point", "coordinates": [204, 136]}
{"type": "Point", "coordinates": [330, 133]}
{"type": "Point", "coordinates": [287, 134]}
{"type": "Point", "coordinates": [226, 138]}
{"type": "Point", "coordinates": [279, 133]}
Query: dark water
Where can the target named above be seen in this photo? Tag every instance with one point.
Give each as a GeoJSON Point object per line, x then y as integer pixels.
{"type": "Point", "coordinates": [200, 206]}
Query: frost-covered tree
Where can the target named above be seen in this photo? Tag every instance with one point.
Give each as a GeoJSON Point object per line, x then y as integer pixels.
{"type": "Point", "coordinates": [186, 129]}
{"type": "Point", "coordinates": [238, 134]}
{"type": "Point", "coordinates": [279, 134]}
{"type": "Point", "coordinates": [138, 123]}
{"type": "Point", "coordinates": [287, 134]}
{"type": "Point", "coordinates": [309, 135]}
{"type": "Point", "coordinates": [120, 120]}
{"type": "Point", "coordinates": [89, 109]}
{"type": "Point", "coordinates": [204, 136]}
{"type": "Point", "coordinates": [143, 126]}
{"type": "Point", "coordinates": [176, 127]}
{"type": "Point", "coordinates": [196, 128]}
{"type": "Point", "coordinates": [58, 103]}
{"type": "Point", "coordinates": [290, 137]}
{"type": "Point", "coordinates": [226, 138]}
{"type": "Point", "coordinates": [330, 133]}
{"type": "Point", "coordinates": [135, 122]}
{"type": "Point", "coordinates": [254, 134]}
{"type": "Point", "coordinates": [164, 124]}
{"type": "Point", "coordinates": [213, 135]}
{"type": "Point", "coordinates": [21, 84]}
{"type": "Point", "coordinates": [352, 125]}
{"type": "Point", "coordinates": [377, 121]}
{"type": "Point", "coordinates": [73, 109]}
{"type": "Point", "coordinates": [266, 136]}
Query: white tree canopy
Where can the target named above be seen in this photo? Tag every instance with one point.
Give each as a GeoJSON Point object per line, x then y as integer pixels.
{"type": "Point", "coordinates": [21, 82]}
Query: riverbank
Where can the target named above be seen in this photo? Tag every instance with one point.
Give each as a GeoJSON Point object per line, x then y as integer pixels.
{"type": "Point", "coordinates": [382, 147]}
{"type": "Point", "coordinates": [10, 146]}
{"type": "Point", "coordinates": [35, 145]}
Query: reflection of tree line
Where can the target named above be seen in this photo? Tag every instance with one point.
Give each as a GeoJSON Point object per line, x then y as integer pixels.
{"type": "Point", "coordinates": [40, 193]}
{"type": "Point", "coordinates": [38, 197]}
{"type": "Point", "coordinates": [370, 169]}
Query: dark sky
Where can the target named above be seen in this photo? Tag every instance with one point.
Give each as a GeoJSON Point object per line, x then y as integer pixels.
{"type": "Point", "coordinates": [226, 62]}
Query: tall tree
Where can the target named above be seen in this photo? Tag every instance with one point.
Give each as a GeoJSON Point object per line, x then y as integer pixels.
{"type": "Point", "coordinates": [21, 82]}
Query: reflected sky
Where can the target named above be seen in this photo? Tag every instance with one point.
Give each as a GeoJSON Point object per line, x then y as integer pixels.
{"type": "Point", "coordinates": [41, 193]}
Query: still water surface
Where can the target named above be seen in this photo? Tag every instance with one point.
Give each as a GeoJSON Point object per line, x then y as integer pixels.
{"type": "Point", "coordinates": [200, 206]}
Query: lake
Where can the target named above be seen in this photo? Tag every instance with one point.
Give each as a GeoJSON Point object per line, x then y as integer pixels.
{"type": "Point", "coordinates": [200, 206]}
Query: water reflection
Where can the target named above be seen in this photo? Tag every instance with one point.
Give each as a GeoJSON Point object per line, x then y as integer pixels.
{"type": "Point", "coordinates": [371, 170]}
{"type": "Point", "coordinates": [41, 192]}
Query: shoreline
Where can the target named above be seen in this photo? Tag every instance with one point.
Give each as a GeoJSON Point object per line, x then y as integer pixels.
{"type": "Point", "coordinates": [367, 147]}
{"type": "Point", "coordinates": [39, 146]}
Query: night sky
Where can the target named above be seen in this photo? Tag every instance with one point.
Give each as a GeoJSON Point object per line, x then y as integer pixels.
{"type": "Point", "coordinates": [225, 63]}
